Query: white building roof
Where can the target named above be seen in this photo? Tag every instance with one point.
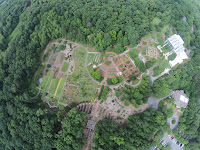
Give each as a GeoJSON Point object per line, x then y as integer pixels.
{"type": "Point", "coordinates": [184, 99]}
{"type": "Point", "coordinates": [176, 40]}
{"type": "Point", "coordinates": [181, 99]}
{"type": "Point", "coordinates": [177, 44]}
{"type": "Point", "coordinates": [94, 66]}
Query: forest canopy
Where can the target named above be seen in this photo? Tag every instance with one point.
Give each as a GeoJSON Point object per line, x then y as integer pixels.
{"type": "Point", "coordinates": [26, 27]}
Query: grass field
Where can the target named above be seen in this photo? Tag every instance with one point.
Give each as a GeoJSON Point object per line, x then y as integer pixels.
{"type": "Point", "coordinates": [64, 67]}
{"type": "Point", "coordinates": [81, 78]}
{"type": "Point", "coordinates": [54, 84]}
{"type": "Point", "coordinates": [60, 88]}
{"type": "Point", "coordinates": [46, 80]}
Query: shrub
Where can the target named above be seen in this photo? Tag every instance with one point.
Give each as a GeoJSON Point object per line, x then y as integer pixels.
{"type": "Point", "coordinates": [120, 79]}
{"type": "Point", "coordinates": [126, 103]}
{"type": "Point", "coordinates": [172, 57]}
{"type": "Point", "coordinates": [173, 121]}
{"type": "Point", "coordinates": [133, 102]}
{"type": "Point", "coordinates": [166, 128]}
{"type": "Point", "coordinates": [48, 65]}
{"type": "Point", "coordinates": [160, 134]}
{"type": "Point", "coordinates": [118, 93]}
{"type": "Point", "coordinates": [149, 64]}
{"type": "Point", "coordinates": [59, 41]}
{"type": "Point", "coordinates": [61, 47]}
{"type": "Point", "coordinates": [114, 80]}
{"type": "Point", "coordinates": [107, 63]}
{"type": "Point", "coordinates": [137, 106]}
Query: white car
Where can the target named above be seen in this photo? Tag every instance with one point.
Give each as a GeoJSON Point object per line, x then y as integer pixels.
{"type": "Point", "coordinates": [164, 144]}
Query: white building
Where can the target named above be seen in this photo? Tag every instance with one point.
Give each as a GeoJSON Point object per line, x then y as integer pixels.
{"type": "Point", "coordinates": [181, 99]}
{"type": "Point", "coordinates": [175, 42]}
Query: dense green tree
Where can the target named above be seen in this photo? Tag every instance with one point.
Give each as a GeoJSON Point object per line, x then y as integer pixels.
{"type": "Point", "coordinates": [26, 27]}
{"type": "Point", "coordinates": [160, 88]}
{"type": "Point", "coordinates": [142, 127]}
{"type": "Point", "coordinates": [71, 134]}
{"type": "Point", "coordinates": [114, 80]}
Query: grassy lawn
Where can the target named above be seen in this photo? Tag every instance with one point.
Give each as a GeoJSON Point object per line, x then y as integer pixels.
{"type": "Point", "coordinates": [61, 87]}
{"type": "Point", "coordinates": [54, 85]}
{"type": "Point", "coordinates": [46, 80]}
{"type": "Point", "coordinates": [64, 67]}
{"type": "Point", "coordinates": [80, 77]}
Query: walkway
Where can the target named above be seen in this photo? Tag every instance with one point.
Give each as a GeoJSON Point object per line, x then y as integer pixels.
{"type": "Point", "coordinates": [153, 102]}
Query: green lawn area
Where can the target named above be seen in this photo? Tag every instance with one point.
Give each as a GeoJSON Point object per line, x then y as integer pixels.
{"type": "Point", "coordinates": [80, 77]}
{"type": "Point", "coordinates": [60, 88]}
{"type": "Point", "coordinates": [54, 85]}
{"type": "Point", "coordinates": [90, 58]}
{"type": "Point", "coordinates": [156, 21]}
{"type": "Point", "coordinates": [46, 80]}
{"type": "Point", "coordinates": [65, 67]}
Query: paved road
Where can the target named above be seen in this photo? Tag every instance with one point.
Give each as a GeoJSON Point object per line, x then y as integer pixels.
{"type": "Point", "coordinates": [174, 117]}
{"type": "Point", "coordinates": [153, 102]}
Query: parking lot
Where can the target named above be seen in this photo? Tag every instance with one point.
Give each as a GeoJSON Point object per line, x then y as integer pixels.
{"type": "Point", "coordinates": [173, 145]}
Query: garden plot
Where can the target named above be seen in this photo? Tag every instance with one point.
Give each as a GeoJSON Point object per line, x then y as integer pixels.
{"type": "Point", "coordinates": [152, 52]}
{"type": "Point", "coordinates": [94, 57]}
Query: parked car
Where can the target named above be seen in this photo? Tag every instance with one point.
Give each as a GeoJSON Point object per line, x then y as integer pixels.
{"type": "Point", "coordinates": [164, 144]}
{"type": "Point", "coordinates": [177, 142]}
{"type": "Point", "coordinates": [172, 137]}
{"type": "Point", "coordinates": [181, 145]}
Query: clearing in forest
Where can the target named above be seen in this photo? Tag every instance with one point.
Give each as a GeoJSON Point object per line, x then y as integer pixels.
{"type": "Point", "coordinates": [65, 77]}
